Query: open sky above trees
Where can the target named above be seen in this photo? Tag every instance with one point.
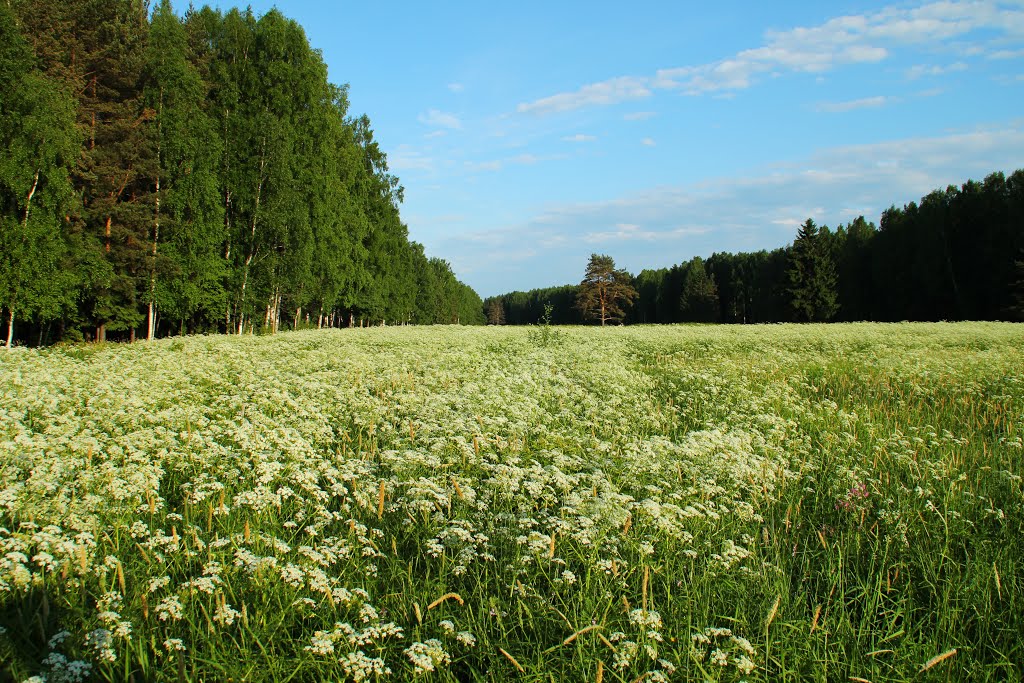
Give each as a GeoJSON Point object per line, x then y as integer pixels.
{"type": "Point", "coordinates": [529, 136]}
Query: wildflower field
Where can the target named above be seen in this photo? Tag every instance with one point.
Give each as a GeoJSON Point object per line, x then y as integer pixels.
{"type": "Point", "coordinates": [781, 503]}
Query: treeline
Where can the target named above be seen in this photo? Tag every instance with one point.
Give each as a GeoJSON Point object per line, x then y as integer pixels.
{"type": "Point", "coordinates": [956, 255]}
{"type": "Point", "coordinates": [165, 174]}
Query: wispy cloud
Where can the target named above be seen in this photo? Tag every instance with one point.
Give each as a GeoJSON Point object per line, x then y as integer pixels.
{"type": "Point", "coordinates": [611, 91]}
{"type": "Point", "coordinates": [579, 137]}
{"type": "Point", "coordinates": [456, 87]}
{"type": "Point", "coordinates": [631, 232]}
{"type": "Point", "coordinates": [1007, 54]}
{"type": "Point", "coordinates": [434, 117]}
{"type": "Point", "coordinates": [648, 142]}
{"type": "Point", "coordinates": [407, 158]}
{"type": "Point", "coordinates": [639, 115]}
{"type": "Point", "coordinates": [854, 39]}
{"type": "Point", "coordinates": [921, 70]}
{"type": "Point", "coordinates": [850, 105]}
{"type": "Point", "coordinates": [525, 159]}
{"type": "Point", "coordinates": [493, 165]}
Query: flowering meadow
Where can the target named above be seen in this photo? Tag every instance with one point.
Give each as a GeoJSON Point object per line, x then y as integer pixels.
{"type": "Point", "coordinates": [778, 503]}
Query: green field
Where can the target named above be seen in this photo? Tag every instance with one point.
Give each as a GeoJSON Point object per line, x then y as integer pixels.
{"type": "Point", "coordinates": [777, 503]}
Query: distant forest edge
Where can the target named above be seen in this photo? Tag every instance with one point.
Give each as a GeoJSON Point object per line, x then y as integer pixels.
{"type": "Point", "coordinates": [164, 175]}
{"type": "Point", "coordinates": [956, 255]}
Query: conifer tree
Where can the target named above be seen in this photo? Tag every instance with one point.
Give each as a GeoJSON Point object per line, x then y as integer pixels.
{"type": "Point", "coordinates": [811, 277]}
{"type": "Point", "coordinates": [699, 302]}
{"type": "Point", "coordinates": [496, 311]}
{"type": "Point", "coordinates": [605, 290]}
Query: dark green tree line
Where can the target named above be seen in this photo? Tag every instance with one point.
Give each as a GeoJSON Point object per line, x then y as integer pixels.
{"type": "Point", "coordinates": [955, 255]}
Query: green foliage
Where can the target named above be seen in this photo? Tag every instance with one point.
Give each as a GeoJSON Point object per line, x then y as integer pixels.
{"type": "Point", "coordinates": [40, 141]}
{"type": "Point", "coordinates": [700, 295]}
{"type": "Point", "coordinates": [605, 290]}
{"type": "Point", "coordinates": [812, 276]}
{"type": "Point", "coordinates": [544, 335]}
{"type": "Point", "coordinates": [495, 308]}
{"type": "Point", "coordinates": [224, 184]}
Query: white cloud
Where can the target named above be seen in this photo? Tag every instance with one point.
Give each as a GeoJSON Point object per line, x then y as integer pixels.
{"type": "Point", "coordinates": [611, 91]}
{"type": "Point", "coordinates": [639, 116]}
{"type": "Point", "coordinates": [579, 137]}
{"type": "Point", "coordinates": [648, 142]}
{"type": "Point", "coordinates": [857, 39]}
{"type": "Point", "coordinates": [864, 103]}
{"type": "Point", "coordinates": [524, 159]}
{"type": "Point", "coordinates": [921, 70]}
{"type": "Point", "coordinates": [1007, 54]}
{"type": "Point", "coordinates": [456, 87]}
{"type": "Point", "coordinates": [494, 165]}
{"type": "Point", "coordinates": [434, 117]}
{"type": "Point", "coordinates": [407, 158]}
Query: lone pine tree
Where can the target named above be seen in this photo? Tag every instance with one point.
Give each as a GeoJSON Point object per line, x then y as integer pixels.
{"type": "Point", "coordinates": [605, 290]}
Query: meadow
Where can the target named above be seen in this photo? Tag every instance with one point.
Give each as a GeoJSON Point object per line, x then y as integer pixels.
{"type": "Point", "coordinates": [756, 503]}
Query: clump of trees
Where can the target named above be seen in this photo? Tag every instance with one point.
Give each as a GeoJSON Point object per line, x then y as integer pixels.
{"type": "Point", "coordinates": [165, 174]}
{"type": "Point", "coordinates": [955, 255]}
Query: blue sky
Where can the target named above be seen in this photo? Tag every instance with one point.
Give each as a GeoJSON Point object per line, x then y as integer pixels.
{"type": "Point", "coordinates": [529, 135]}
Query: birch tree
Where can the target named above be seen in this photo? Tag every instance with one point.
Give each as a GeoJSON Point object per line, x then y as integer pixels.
{"type": "Point", "coordinates": [37, 130]}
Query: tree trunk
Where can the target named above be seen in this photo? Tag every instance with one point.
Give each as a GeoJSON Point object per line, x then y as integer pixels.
{"type": "Point", "coordinates": [241, 303]}
{"type": "Point", "coordinates": [151, 325]}
{"type": "Point", "coordinates": [10, 328]}
{"type": "Point", "coordinates": [28, 200]}
{"type": "Point", "coordinates": [252, 236]}
{"type": "Point", "coordinates": [298, 317]}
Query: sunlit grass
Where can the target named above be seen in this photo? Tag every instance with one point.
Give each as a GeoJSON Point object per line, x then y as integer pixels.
{"type": "Point", "coordinates": [661, 503]}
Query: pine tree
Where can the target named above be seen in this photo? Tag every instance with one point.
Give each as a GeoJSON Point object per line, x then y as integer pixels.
{"type": "Point", "coordinates": [495, 311]}
{"type": "Point", "coordinates": [605, 290]}
{"type": "Point", "coordinates": [699, 301]}
{"type": "Point", "coordinates": [811, 276]}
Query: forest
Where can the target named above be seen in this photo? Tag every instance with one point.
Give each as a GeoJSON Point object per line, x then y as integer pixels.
{"type": "Point", "coordinates": [958, 254]}
{"type": "Point", "coordinates": [193, 174]}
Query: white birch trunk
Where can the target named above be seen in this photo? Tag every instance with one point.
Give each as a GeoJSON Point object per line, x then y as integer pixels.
{"type": "Point", "coordinates": [10, 328]}
{"type": "Point", "coordinates": [252, 235]}
{"type": "Point", "coordinates": [151, 314]}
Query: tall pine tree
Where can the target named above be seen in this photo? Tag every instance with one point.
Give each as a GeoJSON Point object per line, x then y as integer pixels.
{"type": "Point", "coordinates": [811, 277]}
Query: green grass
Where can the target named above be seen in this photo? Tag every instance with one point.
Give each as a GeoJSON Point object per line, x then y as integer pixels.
{"type": "Point", "coordinates": [654, 503]}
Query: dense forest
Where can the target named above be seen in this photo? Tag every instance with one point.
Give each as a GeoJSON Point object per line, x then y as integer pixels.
{"type": "Point", "coordinates": [956, 255]}
{"type": "Point", "coordinates": [167, 174]}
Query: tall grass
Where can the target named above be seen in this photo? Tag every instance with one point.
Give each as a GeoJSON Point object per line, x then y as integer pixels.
{"type": "Point", "coordinates": [760, 503]}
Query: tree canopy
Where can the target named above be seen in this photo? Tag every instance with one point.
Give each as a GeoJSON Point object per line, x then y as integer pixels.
{"type": "Point", "coordinates": [174, 174]}
{"type": "Point", "coordinates": [605, 291]}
